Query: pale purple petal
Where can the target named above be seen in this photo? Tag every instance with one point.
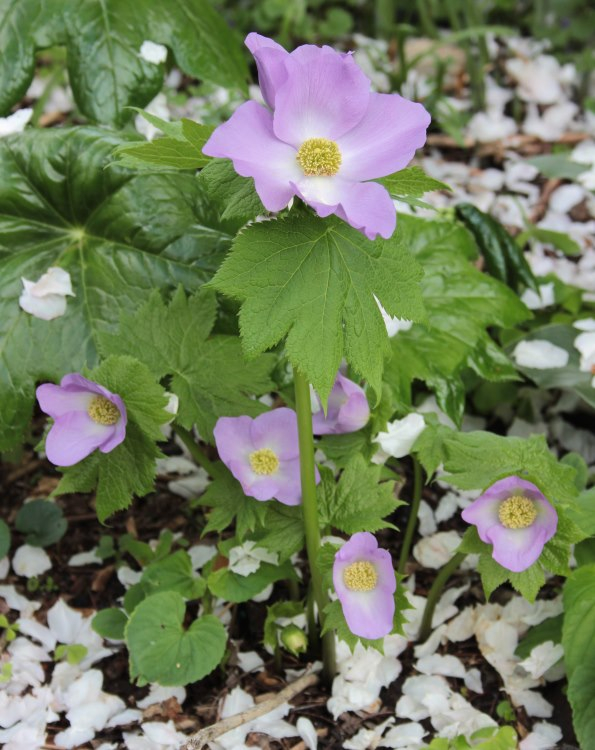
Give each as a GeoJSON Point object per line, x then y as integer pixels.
{"type": "Point", "coordinates": [271, 61]}
{"type": "Point", "coordinates": [277, 430]}
{"type": "Point", "coordinates": [54, 400]}
{"type": "Point", "coordinates": [247, 139]}
{"type": "Point", "coordinates": [289, 488]}
{"type": "Point", "coordinates": [347, 409]}
{"type": "Point", "coordinates": [483, 513]}
{"type": "Point", "coordinates": [367, 206]}
{"type": "Point", "coordinates": [517, 549]}
{"type": "Point", "coordinates": [385, 139]}
{"type": "Point", "coordinates": [369, 614]}
{"type": "Point", "coordinates": [255, 485]}
{"type": "Point", "coordinates": [326, 94]}
{"type": "Point", "coordinates": [73, 437]}
{"type": "Point", "coordinates": [119, 429]}
{"type": "Point", "coordinates": [76, 382]}
{"type": "Point", "coordinates": [514, 549]}
{"type": "Point", "coordinates": [232, 438]}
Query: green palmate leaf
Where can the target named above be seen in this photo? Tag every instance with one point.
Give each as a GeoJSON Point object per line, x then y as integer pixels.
{"type": "Point", "coordinates": [209, 373]}
{"type": "Point", "coordinates": [357, 502]}
{"type": "Point", "coordinates": [462, 304]}
{"type": "Point", "coordinates": [411, 182]}
{"type": "Point", "coordinates": [235, 194]}
{"type": "Point", "coordinates": [110, 623]}
{"type": "Point", "coordinates": [578, 639]}
{"type": "Point", "coordinates": [118, 235]}
{"type": "Point", "coordinates": [180, 149]}
{"type": "Point", "coordinates": [226, 496]}
{"type": "Point", "coordinates": [173, 573]}
{"type": "Point", "coordinates": [283, 529]}
{"type": "Point", "coordinates": [42, 522]}
{"type": "Point", "coordinates": [314, 280]}
{"type": "Point", "coordinates": [128, 470]}
{"type": "Point", "coordinates": [103, 40]}
{"type": "Point", "coordinates": [162, 650]}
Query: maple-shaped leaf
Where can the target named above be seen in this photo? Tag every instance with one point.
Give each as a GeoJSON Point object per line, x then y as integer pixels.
{"type": "Point", "coordinates": [208, 373]}
{"type": "Point", "coordinates": [315, 281]}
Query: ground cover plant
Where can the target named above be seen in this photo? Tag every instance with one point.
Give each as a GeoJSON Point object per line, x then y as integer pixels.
{"type": "Point", "coordinates": [297, 358]}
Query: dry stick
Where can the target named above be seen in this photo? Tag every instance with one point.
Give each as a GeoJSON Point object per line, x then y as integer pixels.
{"type": "Point", "coordinates": [198, 740]}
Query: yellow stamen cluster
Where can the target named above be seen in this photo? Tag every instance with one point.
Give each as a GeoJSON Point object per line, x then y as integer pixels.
{"type": "Point", "coordinates": [319, 157]}
{"type": "Point", "coordinates": [360, 576]}
{"type": "Point", "coordinates": [517, 512]}
{"type": "Point", "coordinates": [102, 411]}
{"type": "Point", "coordinates": [264, 462]}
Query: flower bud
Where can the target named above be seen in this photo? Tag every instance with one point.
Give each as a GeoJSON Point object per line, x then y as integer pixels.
{"type": "Point", "coordinates": [294, 639]}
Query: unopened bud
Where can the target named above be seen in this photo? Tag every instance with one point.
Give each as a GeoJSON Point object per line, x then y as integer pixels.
{"type": "Point", "coordinates": [294, 639]}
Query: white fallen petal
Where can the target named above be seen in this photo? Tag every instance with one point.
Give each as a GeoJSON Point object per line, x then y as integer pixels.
{"type": "Point", "coordinates": [34, 629]}
{"type": "Point", "coordinates": [307, 732]}
{"type": "Point", "coordinates": [160, 694]}
{"type": "Point", "coordinates": [404, 735]}
{"type": "Point", "coordinates": [542, 658]}
{"type": "Point", "coordinates": [16, 122]}
{"type": "Point", "coordinates": [540, 354]}
{"type": "Point", "coordinates": [127, 576]}
{"type": "Point", "coordinates": [586, 324]}
{"type": "Point", "coordinates": [436, 550]}
{"type": "Point", "coordinates": [427, 522]}
{"type": "Point", "coordinates": [46, 298]}
{"type": "Point", "coordinates": [544, 736]}
{"type": "Point", "coordinates": [368, 738]}
{"type": "Point", "coordinates": [163, 734]}
{"type": "Point", "coordinates": [128, 716]}
{"type": "Point", "coordinates": [247, 558]}
{"type": "Point", "coordinates": [4, 567]}
{"type": "Point", "coordinates": [535, 301]}
{"type": "Point", "coordinates": [250, 661]}
{"type": "Point", "coordinates": [29, 561]}
{"type": "Point", "coordinates": [473, 681]}
{"type": "Point", "coordinates": [446, 665]}
{"type": "Point", "coordinates": [153, 52]}
{"type": "Point", "coordinates": [85, 558]}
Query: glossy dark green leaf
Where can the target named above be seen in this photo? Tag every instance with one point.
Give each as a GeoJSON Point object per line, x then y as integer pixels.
{"type": "Point", "coordinates": [504, 259]}
{"type": "Point", "coordinates": [119, 235]}
{"type": "Point", "coordinates": [103, 40]}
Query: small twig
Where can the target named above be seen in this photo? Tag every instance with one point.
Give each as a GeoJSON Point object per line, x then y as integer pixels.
{"type": "Point", "coordinates": [200, 739]}
{"type": "Point", "coordinates": [540, 209]}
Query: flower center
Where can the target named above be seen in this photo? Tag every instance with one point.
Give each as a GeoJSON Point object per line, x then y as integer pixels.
{"type": "Point", "coordinates": [319, 157]}
{"type": "Point", "coordinates": [517, 512]}
{"type": "Point", "coordinates": [360, 576]}
{"type": "Point", "coordinates": [102, 411]}
{"type": "Point", "coordinates": [264, 462]}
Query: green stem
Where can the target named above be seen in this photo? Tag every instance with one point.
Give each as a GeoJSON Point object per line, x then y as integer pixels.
{"type": "Point", "coordinates": [310, 511]}
{"type": "Point", "coordinates": [413, 513]}
{"type": "Point", "coordinates": [439, 582]}
{"type": "Point", "coordinates": [294, 589]}
{"type": "Point", "coordinates": [425, 19]}
{"type": "Point", "coordinates": [53, 79]}
{"type": "Point", "coordinates": [195, 451]}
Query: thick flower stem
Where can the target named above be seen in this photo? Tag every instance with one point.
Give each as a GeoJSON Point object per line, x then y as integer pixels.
{"type": "Point", "coordinates": [413, 513]}
{"type": "Point", "coordinates": [195, 451]}
{"type": "Point", "coordinates": [310, 511]}
{"type": "Point", "coordinates": [434, 594]}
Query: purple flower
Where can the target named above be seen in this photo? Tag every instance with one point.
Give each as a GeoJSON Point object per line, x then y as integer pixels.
{"type": "Point", "coordinates": [347, 409]}
{"type": "Point", "coordinates": [263, 454]}
{"type": "Point", "coordinates": [86, 416]}
{"type": "Point", "coordinates": [365, 582]}
{"type": "Point", "coordinates": [516, 518]}
{"type": "Point", "coordinates": [322, 136]}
